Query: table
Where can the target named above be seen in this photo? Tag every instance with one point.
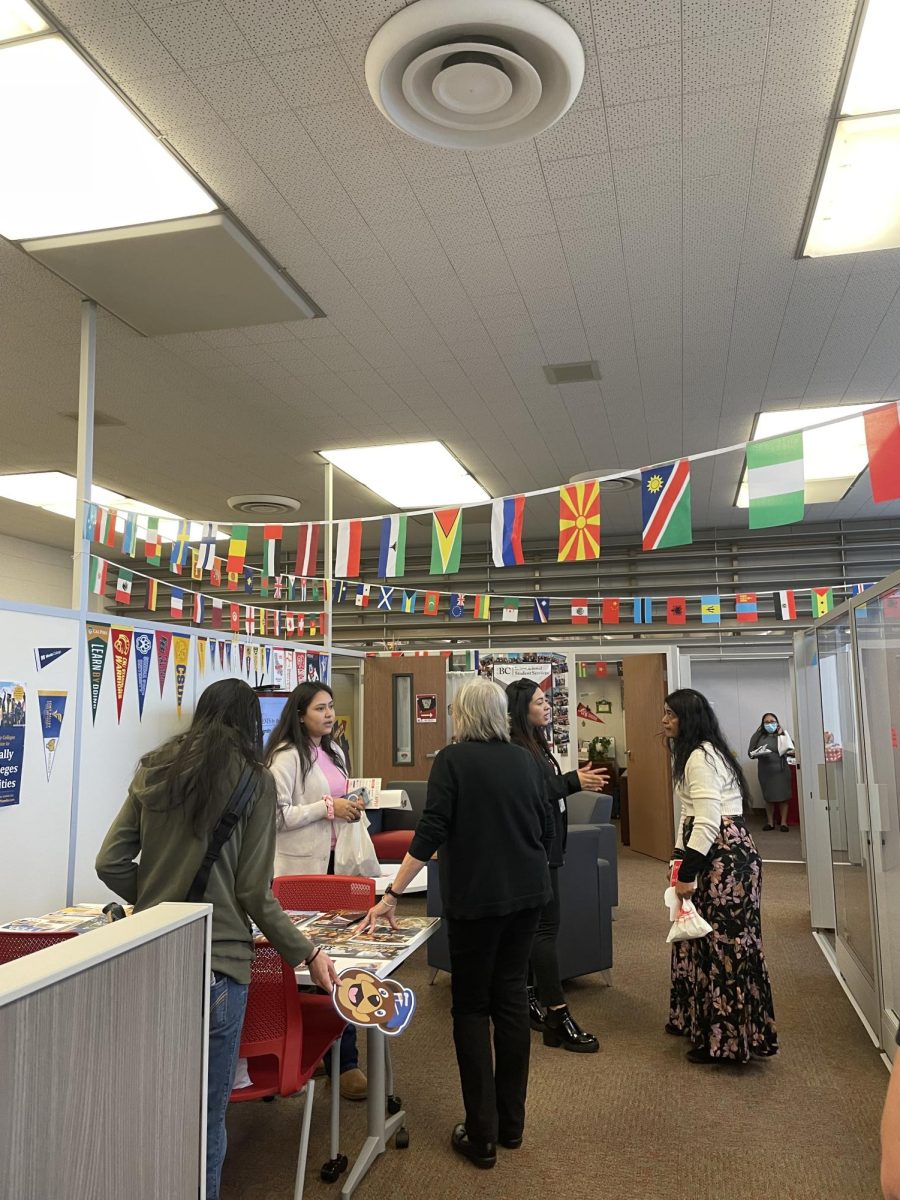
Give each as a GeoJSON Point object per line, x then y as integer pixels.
{"type": "Point", "coordinates": [380, 1128]}
{"type": "Point", "coordinates": [417, 885]}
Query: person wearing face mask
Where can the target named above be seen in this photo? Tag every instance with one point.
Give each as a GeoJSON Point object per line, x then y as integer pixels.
{"type": "Point", "coordinates": [772, 748]}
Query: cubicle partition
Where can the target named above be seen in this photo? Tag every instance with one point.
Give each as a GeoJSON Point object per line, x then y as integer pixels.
{"type": "Point", "coordinates": [856, 657]}
{"type": "Point", "coordinates": [103, 1045]}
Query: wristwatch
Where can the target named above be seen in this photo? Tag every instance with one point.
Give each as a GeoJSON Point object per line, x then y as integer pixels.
{"type": "Point", "coordinates": [389, 891]}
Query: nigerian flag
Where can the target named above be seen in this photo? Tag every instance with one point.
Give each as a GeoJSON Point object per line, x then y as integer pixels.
{"type": "Point", "coordinates": [775, 480]}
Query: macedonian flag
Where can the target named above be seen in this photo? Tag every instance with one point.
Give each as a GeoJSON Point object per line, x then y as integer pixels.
{"type": "Point", "coordinates": [579, 521]}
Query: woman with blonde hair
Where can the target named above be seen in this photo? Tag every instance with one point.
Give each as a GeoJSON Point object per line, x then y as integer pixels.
{"type": "Point", "coordinates": [486, 812]}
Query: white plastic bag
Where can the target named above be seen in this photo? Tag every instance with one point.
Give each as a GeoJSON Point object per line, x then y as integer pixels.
{"type": "Point", "coordinates": [686, 921]}
{"type": "Point", "coordinates": [354, 853]}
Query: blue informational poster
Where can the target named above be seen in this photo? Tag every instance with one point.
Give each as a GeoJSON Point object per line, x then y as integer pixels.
{"type": "Point", "coordinates": [12, 741]}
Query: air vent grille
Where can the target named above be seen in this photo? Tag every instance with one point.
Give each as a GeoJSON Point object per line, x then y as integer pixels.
{"type": "Point", "coordinates": [578, 372]}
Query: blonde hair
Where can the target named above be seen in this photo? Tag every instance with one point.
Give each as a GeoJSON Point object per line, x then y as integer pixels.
{"type": "Point", "coordinates": [479, 712]}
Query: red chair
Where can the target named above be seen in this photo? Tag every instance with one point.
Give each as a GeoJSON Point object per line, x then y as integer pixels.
{"type": "Point", "coordinates": [324, 893]}
{"type": "Point", "coordinates": [283, 1039]}
{"type": "Point", "coordinates": [17, 945]}
{"type": "Point", "coordinates": [392, 845]}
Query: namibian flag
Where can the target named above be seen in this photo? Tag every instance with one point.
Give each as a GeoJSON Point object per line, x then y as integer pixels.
{"type": "Point", "coordinates": [666, 505]}
{"type": "Point", "coordinates": [507, 516]}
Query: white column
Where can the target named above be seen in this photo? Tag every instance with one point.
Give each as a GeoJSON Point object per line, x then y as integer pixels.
{"type": "Point", "coordinates": [329, 556]}
{"type": "Point", "coordinates": [81, 557]}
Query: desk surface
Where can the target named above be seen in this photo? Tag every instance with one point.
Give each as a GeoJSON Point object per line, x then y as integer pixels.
{"type": "Point", "coordinates": [381, 953]}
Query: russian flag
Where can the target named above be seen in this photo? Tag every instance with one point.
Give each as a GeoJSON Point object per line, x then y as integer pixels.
{"type": "Point", "coordinates": [507, 516]}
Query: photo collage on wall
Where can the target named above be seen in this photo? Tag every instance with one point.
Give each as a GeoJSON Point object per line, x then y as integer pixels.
{"type": "Point", "coordinates": [550, 672]}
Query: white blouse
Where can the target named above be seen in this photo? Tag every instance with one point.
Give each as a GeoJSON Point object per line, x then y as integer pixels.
{"type": "Point", "coordinates": [707, 793]}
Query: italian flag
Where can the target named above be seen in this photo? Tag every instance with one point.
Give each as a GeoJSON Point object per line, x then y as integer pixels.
{"type": "Point", "coordinates": [775, 481]}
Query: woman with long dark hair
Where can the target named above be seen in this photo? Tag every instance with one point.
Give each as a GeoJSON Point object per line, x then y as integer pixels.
{"type": "Point", "coordinates": [721, 997]}
{"type": "Point", "coordinates": [175, 801]}
{"type": "Point", "coordinates": [529, 716]}
{"type": "Point", "coordinates": [311, 799]}
{"type": "Point", "coordinates": [771, 747]}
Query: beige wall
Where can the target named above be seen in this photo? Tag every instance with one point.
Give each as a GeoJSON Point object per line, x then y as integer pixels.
{"type": "Point", "coordinates": [589, 691]}
{"type": "Point", "coordinates": [35, 574]}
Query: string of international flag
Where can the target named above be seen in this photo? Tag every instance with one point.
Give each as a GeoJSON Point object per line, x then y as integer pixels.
{"type": "Point", "coordinates": [608, 610]}
{"type": "Point", "coordinates": [775, 482]}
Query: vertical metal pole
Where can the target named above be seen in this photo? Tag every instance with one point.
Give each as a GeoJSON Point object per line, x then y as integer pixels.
{"type": "Point", "coordinates": [81, 556]}
{"type": "Point", "coordinates": [329, 556]}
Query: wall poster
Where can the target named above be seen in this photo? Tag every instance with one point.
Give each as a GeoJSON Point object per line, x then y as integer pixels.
{"type": "Point", "coordinates": [12, 741]}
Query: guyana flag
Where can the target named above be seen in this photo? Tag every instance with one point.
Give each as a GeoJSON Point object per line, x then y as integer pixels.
{"type": "Point", "coordinates": [446, 541]}
{"type": "Point", "coordinates": [579, 521]}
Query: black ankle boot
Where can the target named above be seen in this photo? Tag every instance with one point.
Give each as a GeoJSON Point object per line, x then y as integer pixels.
{"type": "Point", "coordinates": [562, 1030]}
{"type": "Point", "coordinates": [536, 1013]}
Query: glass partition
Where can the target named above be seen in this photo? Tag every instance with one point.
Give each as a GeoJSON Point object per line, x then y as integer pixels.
{"type": "Point", "coordinates": [848, 815]}
{"type": "Point", "coordinates": [877, 627]}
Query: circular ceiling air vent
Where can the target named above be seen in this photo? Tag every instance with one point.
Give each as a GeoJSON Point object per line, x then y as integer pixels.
{"type": "Point", "coordinates": [472, 74]}
{"type": "Point", "coordinates": [263, 506]}
{"type": "Point", "coordinates": [621, 483]}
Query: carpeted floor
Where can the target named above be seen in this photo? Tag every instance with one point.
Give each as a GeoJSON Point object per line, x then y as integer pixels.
{"type": "Point", "coordinates": [636, 1121]}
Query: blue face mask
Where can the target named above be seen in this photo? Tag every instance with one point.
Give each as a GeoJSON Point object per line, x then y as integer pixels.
{"type": "Point", "coordinates": [770, 727]}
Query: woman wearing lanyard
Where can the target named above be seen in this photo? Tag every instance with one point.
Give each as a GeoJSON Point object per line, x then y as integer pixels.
{"type": "Point", "coordinates": [529, 716]}
{"type": "Point", "coordinates": [310, 793]}
{"type": "Point", "coordinates": [721, 997]}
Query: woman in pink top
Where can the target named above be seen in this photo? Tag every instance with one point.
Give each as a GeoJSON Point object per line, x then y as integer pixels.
{"type": "Point", "coordinates": [310, 793]}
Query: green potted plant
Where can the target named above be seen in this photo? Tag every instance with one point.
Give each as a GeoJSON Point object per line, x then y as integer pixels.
{"type": "Point", "coordinates": [598, 750]}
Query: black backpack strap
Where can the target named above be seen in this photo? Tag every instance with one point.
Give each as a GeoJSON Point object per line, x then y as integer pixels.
{"type": "Point", "coordinates": [234, 810]}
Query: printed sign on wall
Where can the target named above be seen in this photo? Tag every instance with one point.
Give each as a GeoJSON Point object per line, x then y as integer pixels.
{"type": "Point", "coordinates": [426, 710]}
{"type": "Point", "coordinates": [52, 707]}
{"type": "Point", "coordinates": [12, 741]}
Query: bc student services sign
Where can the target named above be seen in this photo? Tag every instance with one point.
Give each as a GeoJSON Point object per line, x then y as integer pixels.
{"type": "Point", "coordinates": [12, 740]}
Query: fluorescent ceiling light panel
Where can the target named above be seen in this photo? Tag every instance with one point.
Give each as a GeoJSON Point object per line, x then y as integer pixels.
{"type": "Point", "coordinates": [873, 85]}
{"type": "Point", "coordinates": [75, 157]}
{"type": "Point", "coordinates": [858, 208]}
{"type": "Point", "coordinates": [832, 457]}
{"type": "Point", "coordinates": [56, 492]}
{"type": "Point", "coordinates": [410, 475]}
{"type": "Point", "coordinates": [18, 19]}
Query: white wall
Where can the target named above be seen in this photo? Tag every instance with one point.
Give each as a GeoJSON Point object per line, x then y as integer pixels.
{"type": "Point", "coordinates": [740, 692]}
{"type": "Point", "coordinates": [35, 574]}
{"type": "Point", "coordinates": [609, 688]}
{"type": "Point", "coordinates": [34, 834]}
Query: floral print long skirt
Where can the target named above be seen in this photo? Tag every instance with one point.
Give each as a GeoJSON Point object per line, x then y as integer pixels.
{"type": "Point", "coordinates": [721, 997]}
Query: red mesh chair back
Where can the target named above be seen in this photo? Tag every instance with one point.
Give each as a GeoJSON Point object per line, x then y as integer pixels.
{"type": "Point", "coordinates": [272, 1025]}
{"type": "Point", "coordinates": [324, 893]}
{"type": "Point", "coordinates": [17, 945]}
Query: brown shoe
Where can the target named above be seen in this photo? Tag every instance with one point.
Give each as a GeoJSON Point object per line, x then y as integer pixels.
{"type": "Point", "coordinates": [320, 1071]}
{"type": "Point", "coordinates": [354, 1085]}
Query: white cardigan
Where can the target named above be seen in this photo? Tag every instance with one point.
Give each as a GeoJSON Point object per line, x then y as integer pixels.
{"type": "Point", "coordinates": [302, 828]}
{"type": "Point", "coordinates": [707, 793]}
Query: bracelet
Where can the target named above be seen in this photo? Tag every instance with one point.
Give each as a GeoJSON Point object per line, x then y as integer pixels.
{"type": "Point", "coordinates": [390, 896]}
{"type": "Point", "coordinates": [329, 808]}
{"type": "Point", "coordinates": [312, 957]}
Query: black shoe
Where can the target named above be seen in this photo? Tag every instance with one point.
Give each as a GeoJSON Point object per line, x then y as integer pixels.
{"type": "Point", "coordinates": [482, 1154]}
{"type": "Point", "coordinates": [537, 1016]}
{"type": "Point", "coordinates": [510, 1143]}
{"type": "Point", "coordinates": [784, 829]}
{"type": "Point", "coordinates": [768, 828]}
{"type": "Point", "coordinates": [562, 1030]}
{"type": "Point", "coordinates": [674, 1031]}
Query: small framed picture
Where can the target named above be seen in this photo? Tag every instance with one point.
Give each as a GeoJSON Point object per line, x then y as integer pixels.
{"type": "Point", "coordinates": [604, 706]}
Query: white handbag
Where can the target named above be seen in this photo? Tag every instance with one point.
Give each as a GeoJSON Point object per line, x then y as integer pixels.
{"type": "Point", "coordinates": [354, 853]}
{"type": "Point", "coordinates": [686, 921]}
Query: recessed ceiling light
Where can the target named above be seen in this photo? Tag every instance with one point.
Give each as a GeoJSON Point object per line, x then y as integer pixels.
{"type": "Point", "coordinates": [857, 204]}
{"type": "Point", "coordinates": [56, 492]}
{"type": "Point", "coordinates": [833, 458]}
{"type": "Point", "coordinates": [410, 475]}
{"type": "Point", "coordinates": [75, 156]}
{"type": "Point", "coordinates": [18, 19]}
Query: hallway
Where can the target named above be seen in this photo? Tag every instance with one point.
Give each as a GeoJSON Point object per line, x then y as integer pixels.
{"type": "Point", "coordinates": [635, 1122]}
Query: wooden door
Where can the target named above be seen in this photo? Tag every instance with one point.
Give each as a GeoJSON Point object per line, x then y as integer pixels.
{"type": "Point", "coordinates": [650, 808]}
{"type": "Point", "coordinates": [400, 740]}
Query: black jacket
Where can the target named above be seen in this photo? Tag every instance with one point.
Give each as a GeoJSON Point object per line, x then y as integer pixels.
{"type": "Point", "coordinates": [486, 811]}
{"type": "Point", "coordinates": [557, 786]}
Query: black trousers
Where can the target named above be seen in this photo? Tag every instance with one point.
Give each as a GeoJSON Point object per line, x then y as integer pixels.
{"type": "Point", "coordinates": [544, 961]}
{"type": "Point", "coordinates": [489, 967]}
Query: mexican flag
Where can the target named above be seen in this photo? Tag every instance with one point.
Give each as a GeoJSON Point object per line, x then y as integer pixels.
{"type": "Point", "coordinates": [775, 481]}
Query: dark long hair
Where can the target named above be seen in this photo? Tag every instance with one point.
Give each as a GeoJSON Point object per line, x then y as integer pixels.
{"type": "Point", "coordinates": [697, 723]}
{"type": "Point", "coordinates": [226, 721]}
{"type": "Point", "coordinates": [762, 721]}
{"type": "Point", "coordinates": [521, 730]}
{"type": "Point", "coordinates": [290, 730]}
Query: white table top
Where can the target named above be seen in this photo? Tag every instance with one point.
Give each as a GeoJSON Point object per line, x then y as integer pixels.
{"type": "Point", "coordinates": [385, 969]}
{"type": "Point", "coordinates": [416, 886]}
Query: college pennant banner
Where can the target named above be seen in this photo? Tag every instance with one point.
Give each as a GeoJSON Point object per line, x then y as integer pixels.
{"type": "Point", "coordinates": [163, 649]}
{"type": "Point", "coordinates": [97, 643]}
{"type": "Point", "coordinates": [181, 647]}
{"type": "Point", "coordinates": [45, 655]}
{"type": "Point", "coordinates": [121, 648]}
{"type": "Point", "coordinates": [143, 653]}
{"type": "Point", "coordinates": [52, 707]}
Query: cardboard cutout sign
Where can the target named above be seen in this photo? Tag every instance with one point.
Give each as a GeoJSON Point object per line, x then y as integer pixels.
{"type": "Point", "coordinates": [365, 1000]}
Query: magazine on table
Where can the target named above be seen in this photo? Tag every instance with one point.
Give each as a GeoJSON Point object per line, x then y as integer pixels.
{"type": "Point", "coordinates": [76, 918]}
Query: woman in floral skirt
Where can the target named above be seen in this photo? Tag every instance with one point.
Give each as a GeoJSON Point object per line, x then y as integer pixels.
{"type": "Point", "coordinates": [721, 997]}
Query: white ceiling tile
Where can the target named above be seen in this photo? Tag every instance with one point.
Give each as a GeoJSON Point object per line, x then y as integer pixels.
{"type": "Point", "coordinates": [501, 188]}
{"type": "Point", "coordinates": [642, 74]}
{"type": "Point", "coordinates": [198, 34]}
{"type": "Point", "coordinates": [313, 76]}
{"type": "Point", "coordinates": [582, 130]}
{"type": "Point", "coordinates": [171, 102]}
{"type": "Point", "coordinates": [239, 89]}
{"type": "Point", "coordinates": [348, 19]}
{"type": "Point", "coordinates": [621, 26]}
{"type": "Point", "coordinates": [645, 123]}
{"type": "Point", "coordinates": [279, 26]}
{"type": "Point", "coordinates": [570, 177]}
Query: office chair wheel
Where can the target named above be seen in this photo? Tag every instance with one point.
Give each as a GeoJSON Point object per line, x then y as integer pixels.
{"type": "Point", "coordinates": [333, 1168]}
{"type": "Point", "coordinates": [268, 1099]}
{"type": "Point", "coordinates": [401, 1139]}
{"type": "Point", "coordinates": [394, 1104]}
